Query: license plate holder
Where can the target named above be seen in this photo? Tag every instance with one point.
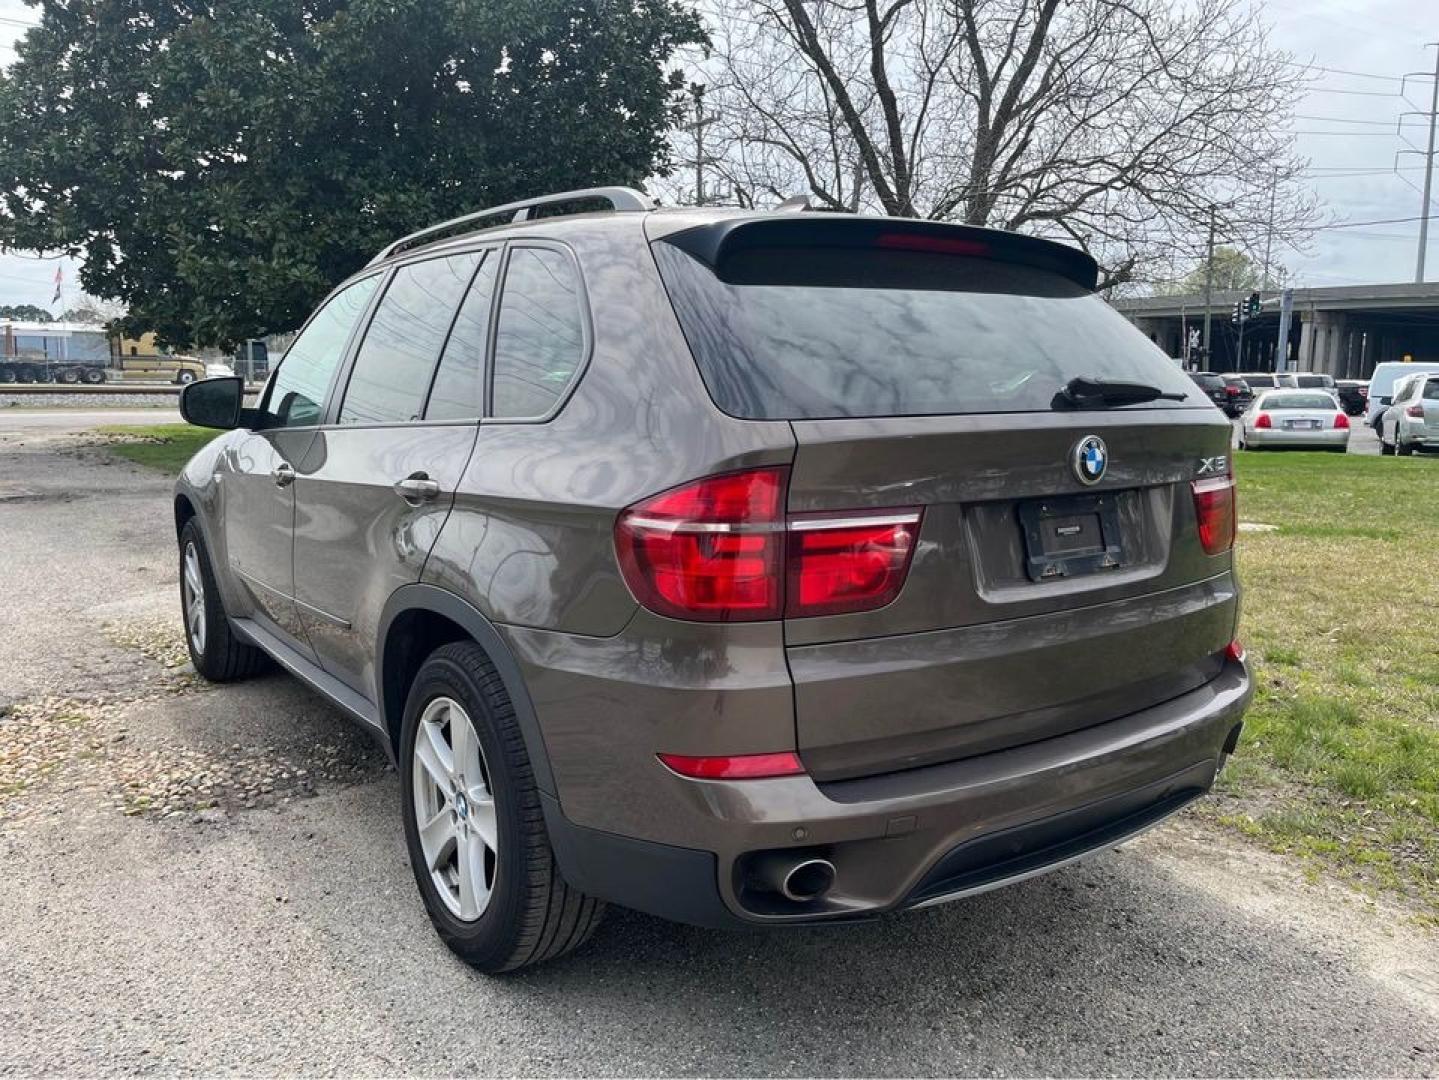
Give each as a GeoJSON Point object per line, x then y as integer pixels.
{"type": "Point", "coordinates": [1302, 425]}
{"type": "Point", "coordinates": [1071, 536]}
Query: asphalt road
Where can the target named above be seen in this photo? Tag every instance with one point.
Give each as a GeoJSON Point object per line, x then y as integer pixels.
{"type": "Point", "coordinates": [280, 931]}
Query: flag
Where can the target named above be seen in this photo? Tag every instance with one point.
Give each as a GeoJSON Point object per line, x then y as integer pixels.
{"type": "Point", "coordinates": [59, 279]}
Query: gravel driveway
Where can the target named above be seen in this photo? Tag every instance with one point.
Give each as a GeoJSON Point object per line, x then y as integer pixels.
{"type": "Point", "coordinates": [213, 880]}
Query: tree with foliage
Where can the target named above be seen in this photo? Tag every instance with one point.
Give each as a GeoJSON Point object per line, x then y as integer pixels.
{"type": "Point", "coordinates": [220, 167]}
{"type": "Point", "coordinates": [25, 313]}
{"type": "Point", "coordinates": [1233, 270]}
{"type": "Point", "coordinates": [1119, 125]}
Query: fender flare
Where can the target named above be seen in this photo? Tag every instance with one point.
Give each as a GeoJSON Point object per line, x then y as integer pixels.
{"type": "Point", "coordinates": [422, 597]}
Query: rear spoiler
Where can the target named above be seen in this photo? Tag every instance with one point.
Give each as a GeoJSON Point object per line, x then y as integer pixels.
{"type": "Point", "coordinates": [715, 242]}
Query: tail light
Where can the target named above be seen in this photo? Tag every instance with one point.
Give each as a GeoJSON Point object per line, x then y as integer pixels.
{"type": "Point", "coordinates": [1416, 410]}
{"type": "Point", "coordinates": [1235, 651]}
{"type": "Point", "coordinates": [1232, 391]}
{"type": "Point", "coordinates": [1341, 421]}
{"type": "Point", "coordinates": [1215, 512]}
{"type": "Point", "coordinates": [722, 550]}
{"type": "Point", "coordinates": [1263, 421]}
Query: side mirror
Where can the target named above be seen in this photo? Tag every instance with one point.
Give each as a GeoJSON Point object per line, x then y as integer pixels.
{"type": "Point", "coordinates": [214, 403]}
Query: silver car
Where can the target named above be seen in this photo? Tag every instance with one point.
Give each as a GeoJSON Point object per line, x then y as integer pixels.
{"type": "Point", "coordinates": [1412, 421]}
{"type": "Point", "coordinates": [1304, 419]}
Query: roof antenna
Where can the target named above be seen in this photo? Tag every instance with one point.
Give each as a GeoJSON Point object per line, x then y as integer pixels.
{"type": "Point", "coordinates": [795, 203]}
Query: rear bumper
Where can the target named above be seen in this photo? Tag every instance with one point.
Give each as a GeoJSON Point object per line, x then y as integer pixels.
{"type": "Point", "coordinates": [1270, 437]}
{"type": "Point", "coordinates": [923, 836]}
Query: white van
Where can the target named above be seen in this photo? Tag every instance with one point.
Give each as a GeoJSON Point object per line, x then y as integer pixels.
{"type": "Point", "coordinates": [1381, 385]}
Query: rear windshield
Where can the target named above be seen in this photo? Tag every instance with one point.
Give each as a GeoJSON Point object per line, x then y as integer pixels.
{"type": "Point", "coordinates": [1234, 380]}
{"type": "Point", "coordinates": [1260, 380]}
{"type": "Point", "coordinates": [1298, 401]}
{"type": "Point", "coordinates": [1209, 382]}
{"type": "Point", "coordinates": [810, 333]}
{"type": "Point", "coordinates": [1309, 382]}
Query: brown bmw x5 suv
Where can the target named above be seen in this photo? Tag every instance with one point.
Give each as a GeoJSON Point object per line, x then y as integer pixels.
{"type": "Point", "coordinates": [742, 568]}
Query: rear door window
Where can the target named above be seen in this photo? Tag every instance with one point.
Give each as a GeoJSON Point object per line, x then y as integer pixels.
{"type": "Point", "coordinates": [459, 390]}
{"type": "Point", "coordinates": [801, 333]}
{"type": "Point", "coordinates": [392, 369]}
{"type": "Point", "coordinates": [540, 333]}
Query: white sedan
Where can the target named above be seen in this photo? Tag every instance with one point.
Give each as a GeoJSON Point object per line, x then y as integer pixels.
{"type": "Point", "coordinates": [1303, 419]}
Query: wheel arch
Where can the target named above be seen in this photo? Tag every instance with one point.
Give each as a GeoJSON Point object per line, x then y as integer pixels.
{"type": "Point", "coordinates": [184, 511]}
{"type": "Point", "coordinates": [417, 620]}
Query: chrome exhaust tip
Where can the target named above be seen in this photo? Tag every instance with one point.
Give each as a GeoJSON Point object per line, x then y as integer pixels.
{"type": "Point", "coordinates": [808, 879]}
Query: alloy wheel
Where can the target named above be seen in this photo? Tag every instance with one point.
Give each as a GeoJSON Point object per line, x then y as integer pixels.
{"type": "Point", "coordinates": [193, 594]}
{"type": "Point", "coordinates": [455, 809]}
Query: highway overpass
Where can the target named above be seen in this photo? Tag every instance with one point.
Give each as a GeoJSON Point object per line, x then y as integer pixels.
{"type": "Point", "coordinates": [1344, 330]}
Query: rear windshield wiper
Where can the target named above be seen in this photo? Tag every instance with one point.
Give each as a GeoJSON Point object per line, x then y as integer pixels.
{"type": "Point", "coordinates": [1083, 392]}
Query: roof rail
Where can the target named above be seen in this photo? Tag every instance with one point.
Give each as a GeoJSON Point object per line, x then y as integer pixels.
{"type": "Point", "coordinates": [621, 199]}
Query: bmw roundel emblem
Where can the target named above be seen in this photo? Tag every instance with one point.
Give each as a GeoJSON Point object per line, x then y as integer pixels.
{"type": "Point", "coordinates": [1090, 458]}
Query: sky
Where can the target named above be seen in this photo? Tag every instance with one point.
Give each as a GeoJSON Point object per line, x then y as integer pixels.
{"type": "Point", "coordinates": [1346, 127]}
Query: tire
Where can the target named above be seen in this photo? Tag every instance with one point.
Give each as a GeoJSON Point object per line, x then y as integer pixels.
{"type": "Point", "coordinates": [94, 376]}
{"type": "Point", "coordinates": [69, 376]}
{"type": "Point", "coordinates": [1385, 448]}
{"type": "Point", "coordinates": [185, 378]}
{"type": "Point", "coordinates": [218, 655]}
{"type": "Point", "coordinates": [530, 913]}
{"type": "Point", "coordinates": [7, 374]}
{"type": "Point", "coordinates": [1401, 448]}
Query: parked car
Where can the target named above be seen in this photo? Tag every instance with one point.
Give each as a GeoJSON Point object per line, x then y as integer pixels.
{"type": "Point", "coordinates": [1258, 381]}
{"type": "Point", "coordinates": [1381, 386]}
{"type": "Point", "coordinates": [1412, 421]}
{"type": "Point", "coordinates": [1239, 392]}
{"type": "Point", "coordinates": [1214, 388]}
{"type": "Point", "coordinates": [666, 582]}
{"type": "Point", "coordinates": [1298, 419]}
{"type": "Point", "coordinates": [1353, 395]}
{"type": "Point", "coordinates": [1314, 380]}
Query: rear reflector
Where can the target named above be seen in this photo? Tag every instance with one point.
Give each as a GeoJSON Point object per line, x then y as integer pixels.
{"type": "Point", "coordinates": [737, 767]}
{"type": "Point", "coordinates": [721, 549]}
{"type": "Point", "coordinates": [1214, 511]}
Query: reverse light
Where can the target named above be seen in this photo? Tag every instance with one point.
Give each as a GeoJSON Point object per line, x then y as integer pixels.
{"type": "Point", "coordinates": [1263, 421]}
{"type": "Point", "coordinates": [1341, 421]}
{"type": "Point", "coordinates": [735, 766]}
{"type": "Point", "coordinates": [721, 549]}
{"type": "Point", "coordinates": [1215, 512]}
{"type": "Point", "coordinates": [849, 564]}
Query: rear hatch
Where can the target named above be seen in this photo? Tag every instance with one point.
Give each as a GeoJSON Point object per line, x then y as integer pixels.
{"type": "Point", "coordinates": [1058, 578]}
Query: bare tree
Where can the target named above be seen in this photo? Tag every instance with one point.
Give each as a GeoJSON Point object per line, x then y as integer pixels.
{"type": "Point", "coordinates": [1119, 124]}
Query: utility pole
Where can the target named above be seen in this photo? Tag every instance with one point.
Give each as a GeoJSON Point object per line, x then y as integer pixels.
{"type": "Point", "coordinates": [1208, 288]}
{"type": "Point", "coordinates": [1428, 170]}
{"type": "Point", "coordinates": [701, 121]}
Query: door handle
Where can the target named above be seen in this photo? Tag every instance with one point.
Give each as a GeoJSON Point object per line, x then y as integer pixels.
{"type": "Point", "coordinates": [283, 474]}
{"type": "Point", "coordinates": [417, 488]}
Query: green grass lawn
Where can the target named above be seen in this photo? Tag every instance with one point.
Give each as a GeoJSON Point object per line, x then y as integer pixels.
{"type": "Point", "coordinates": [1340, 758]}
{"type": "Point", "coordinates": [159, 446]}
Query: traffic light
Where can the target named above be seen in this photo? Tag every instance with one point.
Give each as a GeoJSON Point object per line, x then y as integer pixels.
{"type": "Point", "coordinates": [1253, 305]}
{"type": "Point", "coordinates": [1237, 315]}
